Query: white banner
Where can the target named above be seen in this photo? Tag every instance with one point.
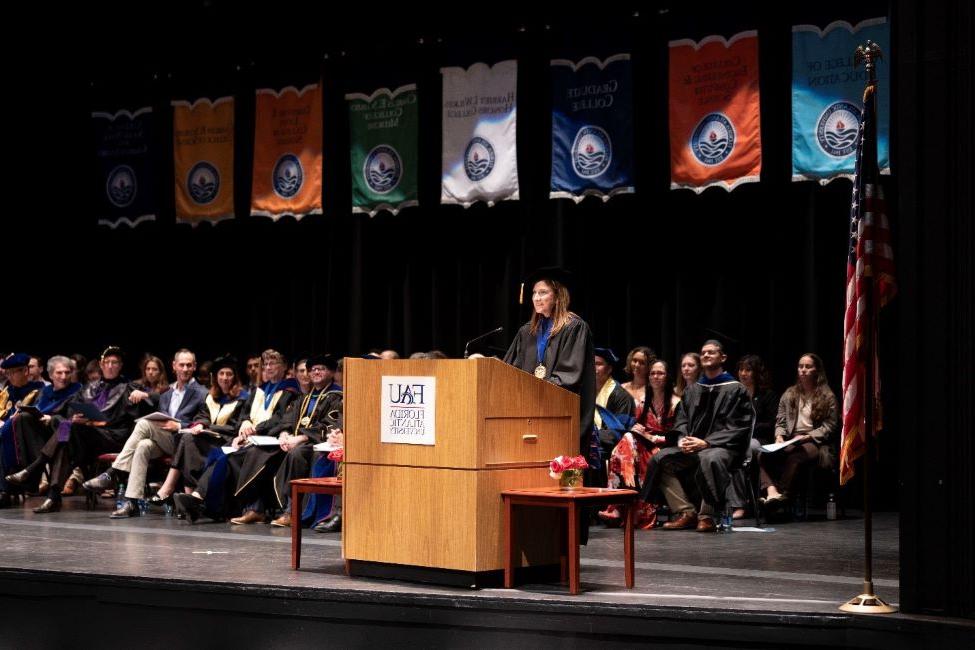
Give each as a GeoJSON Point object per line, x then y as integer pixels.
{"type": "Point", "coordinates": [409, 410]}
{"type": "Point", "coordinates": [480, 160]}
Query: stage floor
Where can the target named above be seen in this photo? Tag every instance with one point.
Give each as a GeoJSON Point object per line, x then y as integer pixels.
{"type": "Point", "coordinates": [806, 567]}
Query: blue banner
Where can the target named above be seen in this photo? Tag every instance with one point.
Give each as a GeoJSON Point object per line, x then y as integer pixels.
{"type": "Point", "coordinates": [123, 192]}
{"type": "Point", "coordinates": [827, 98]}
{"type": "Point", "coordinates": [592, 127]}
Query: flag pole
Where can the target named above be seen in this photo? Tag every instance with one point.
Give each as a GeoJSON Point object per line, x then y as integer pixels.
{"type": "Point", "coordinates": [868, 602]}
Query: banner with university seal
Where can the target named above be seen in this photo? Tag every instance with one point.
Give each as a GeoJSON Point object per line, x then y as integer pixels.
{"type": "Point", "coordinates": [287, 152]}
{"type": "Point", "coordinates": [384, 137]}
{"type": "Point", "coordinates": [827, 98]}
{"type": "Point", "coordinates": [203, 157]}
{"type": "Point", "coordinates": [715, 126]}
{"type": "Point", "coordinates": [124, 192]}
{"type": "Point", "coordinates": [480, 161]}
{"type": "Point", "coordinates": [592, 127]}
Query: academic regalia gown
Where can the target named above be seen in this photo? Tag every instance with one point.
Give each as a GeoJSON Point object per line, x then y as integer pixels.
{"type": "Point", "coordinates": [569, 362]}
{"type": "Point", "coordinates": [28, 434]}
{"type": "Point", "coordinates": [220, 416]}
{"type": "Point", "coordinates": [720, 412]}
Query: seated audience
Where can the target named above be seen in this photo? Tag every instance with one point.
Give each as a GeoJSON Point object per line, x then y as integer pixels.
{"type": "Point", "coordinates": [153, 438]}
{"type": "Point", "coordinates": [713, 424]}
{"type": "Point", "coordinates": [690, 372]}
{"type": "Point", "coordinates": [754, 377]}
{"type": "Point", "coordinates": [153, 378]}
{"type": "Point", "coordinates": [630, 459]}
{"type": "Point", "coordinates": [614, 406]}
{"type": "Point", "coordinates": [808, 414]}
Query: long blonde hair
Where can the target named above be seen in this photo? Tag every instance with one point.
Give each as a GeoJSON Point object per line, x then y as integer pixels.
{"type": "Point", "coordinates": [560, 310]}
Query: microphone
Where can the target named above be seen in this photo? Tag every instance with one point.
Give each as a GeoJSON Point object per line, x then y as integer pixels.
{"type": "Point", "coordinates": [496, 330]}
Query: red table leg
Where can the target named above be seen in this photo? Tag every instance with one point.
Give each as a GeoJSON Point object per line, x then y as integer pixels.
{"type": "Point", "coordinates": [573, 548]}
{"type": "Point", "coordinates": [628, 544]}
{"type": "Point", "coordinates": [295, 527]}
{"type": "Point", "coordinates": [509, 551]}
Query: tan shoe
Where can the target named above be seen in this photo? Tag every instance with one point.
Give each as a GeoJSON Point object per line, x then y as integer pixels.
{"type": "Point", "coordinates": [284, 521]}
{"type": "Point", "coordinates": [706, 525]}
{"type": "Point", "coordinates": [249, 517]}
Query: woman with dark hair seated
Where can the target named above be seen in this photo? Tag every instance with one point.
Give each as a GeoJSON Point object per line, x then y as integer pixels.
{"type": "Point", "coordinates": [631, 456]}
{"type": "Point", "coordinates": [755, 378]}
{"type": "Point", "coordinates": [808, 416]}
{"type": "Point", "coordinates": [154, 379]}
{"type": "Point", "coordinates": [214, 426]}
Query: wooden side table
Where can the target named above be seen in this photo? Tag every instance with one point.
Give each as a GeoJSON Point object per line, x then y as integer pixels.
{"type": "Point", "coordinates": [572, 501]}
{"type": "Point", "coordinates": [299, 486]}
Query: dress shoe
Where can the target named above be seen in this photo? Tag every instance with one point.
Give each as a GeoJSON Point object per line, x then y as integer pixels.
{"type": "Point", "coordinates": [684, 520]}
{"type": "Point", "coordinates": [284, 521]}
{"type": "Point", "coordinates": [49, 505]}
{"type": "Point", "coordinates": [188, 506]}
{"type": "Point", "coordinates": [18, 478]}
{"type": "Point", "coordinates": [706, 525]}
{"type": "Point", "coordinates": [101, 482]}
{"type": "Point", "coordinates": [331, 524]}
{"type": "Point", "coordinates": [128, 509]}
{"type": "Point", "coordinates": [249, 517]}
{"type": "Point", "coordinates": [70, 487]}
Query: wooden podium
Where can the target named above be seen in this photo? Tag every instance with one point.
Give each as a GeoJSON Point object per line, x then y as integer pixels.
{"type": "Point", "coordinates": [433, 513]}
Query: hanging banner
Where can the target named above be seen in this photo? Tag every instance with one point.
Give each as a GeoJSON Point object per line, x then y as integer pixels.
{"type": "Point", "coordinates": [384, 135]}
{"type": "Point", "coordinates": [124, 193]}
{"type": "Point", "coordinates": [827, 98]}
{"type": "Point", "coordinates": [479, 150]}
{"type": "Point", "coordinates": [592, 127]}
{"type": "Point", "coordinates": [715, 129]}
{"type": "Point", "coordinates": [287, 152]}
{"type": "Point", "coordinates": [203, 156]}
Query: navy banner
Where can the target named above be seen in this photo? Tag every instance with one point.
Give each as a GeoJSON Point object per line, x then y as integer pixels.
{"type": "Point", "coordinates": [124, 194]}
{"type": "Point", "coordinates": [592, 127]}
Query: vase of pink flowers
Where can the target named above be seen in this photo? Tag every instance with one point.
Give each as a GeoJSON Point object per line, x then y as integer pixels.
{"type": "Point", "coordinates": [567, 470]}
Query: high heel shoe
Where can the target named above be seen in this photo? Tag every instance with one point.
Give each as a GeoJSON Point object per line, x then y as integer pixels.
{"type": "Point", "coordinates": [156, 500]}
{"type": "Point", "coordinates": [188, 505]}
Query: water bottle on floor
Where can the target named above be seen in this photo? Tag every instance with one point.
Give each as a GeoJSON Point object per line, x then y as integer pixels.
{"type": "Point", "coordinates": [726, 522]}
{"type": "Point", "coordinates": [831, 507]}
{"type": "Point", "coordinates": [120, 496]}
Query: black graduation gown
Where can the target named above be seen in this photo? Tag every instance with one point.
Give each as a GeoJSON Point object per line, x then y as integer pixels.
{"type": "Point", "coordinates": [620, 402]}
{"type": "Point", "coordinates": [720, 413]}
{"type": "Point", "coordinates": [29, 433]}
{"type": "Point", "coordinates": [570, 363]}
{"type": "Point", "coordinates": [85, 442]}
{"type": "Point", "coordinates": [191, 453]}
{"type": "Point", "coordinates": [297, 463]}
{"type": "Point", "coordinates": [766, 406]}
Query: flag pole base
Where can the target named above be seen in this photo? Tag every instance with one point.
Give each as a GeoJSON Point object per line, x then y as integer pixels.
{"type": "Point", "coordinates": [868, 603]}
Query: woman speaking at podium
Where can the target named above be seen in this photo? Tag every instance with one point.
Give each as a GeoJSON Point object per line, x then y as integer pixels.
{"type": "Point", "coordinates": [556, 345]}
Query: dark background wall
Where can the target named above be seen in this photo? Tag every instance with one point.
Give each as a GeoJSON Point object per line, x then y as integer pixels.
{"type": "Point", "coordinates": [763, 265]}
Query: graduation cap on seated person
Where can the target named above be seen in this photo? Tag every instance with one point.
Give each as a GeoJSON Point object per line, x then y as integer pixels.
{"type": "Point", "coordinates": [326, 360]}
{"type": "Point", "coordinates": [608, 356]}
{"type": "Point", "coordinates": [19, 360]}
{"type": "Point", "coordinates": [226, 361]}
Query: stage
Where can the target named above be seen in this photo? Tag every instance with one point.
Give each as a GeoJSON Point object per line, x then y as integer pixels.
{"type": "Point", "coordinates": [160, 582]}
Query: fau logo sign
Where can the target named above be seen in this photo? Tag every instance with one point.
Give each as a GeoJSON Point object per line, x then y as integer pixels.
{"type": "Point", "coordinates": [409, 410]}
{"type": "Point", "coordinates": [406, 394]}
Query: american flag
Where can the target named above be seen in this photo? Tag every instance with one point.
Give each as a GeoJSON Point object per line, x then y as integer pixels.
{"type": "Point", "coordinates": [869, 268]}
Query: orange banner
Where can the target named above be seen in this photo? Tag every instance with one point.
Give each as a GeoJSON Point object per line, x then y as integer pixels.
{"type": "Point", "coordinates": [203, 153]}
{"type": "Point", "coordinates": [288, 152]}
{"type": "Point", "coordinates": [715, 129]}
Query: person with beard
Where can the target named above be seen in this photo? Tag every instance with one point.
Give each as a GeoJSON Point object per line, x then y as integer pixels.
{"type": "Point", "coordinates": [713, 426]}
{"type": "Point", "coordinates": [79, 440]}
{"type": "Point", "coordinates": [153, 438]}
{"type": "Point", "coordinates": [305, 425]}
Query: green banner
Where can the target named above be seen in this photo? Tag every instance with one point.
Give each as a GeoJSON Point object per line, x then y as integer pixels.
{"type": "Point", "coordinates": [384, 135]}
